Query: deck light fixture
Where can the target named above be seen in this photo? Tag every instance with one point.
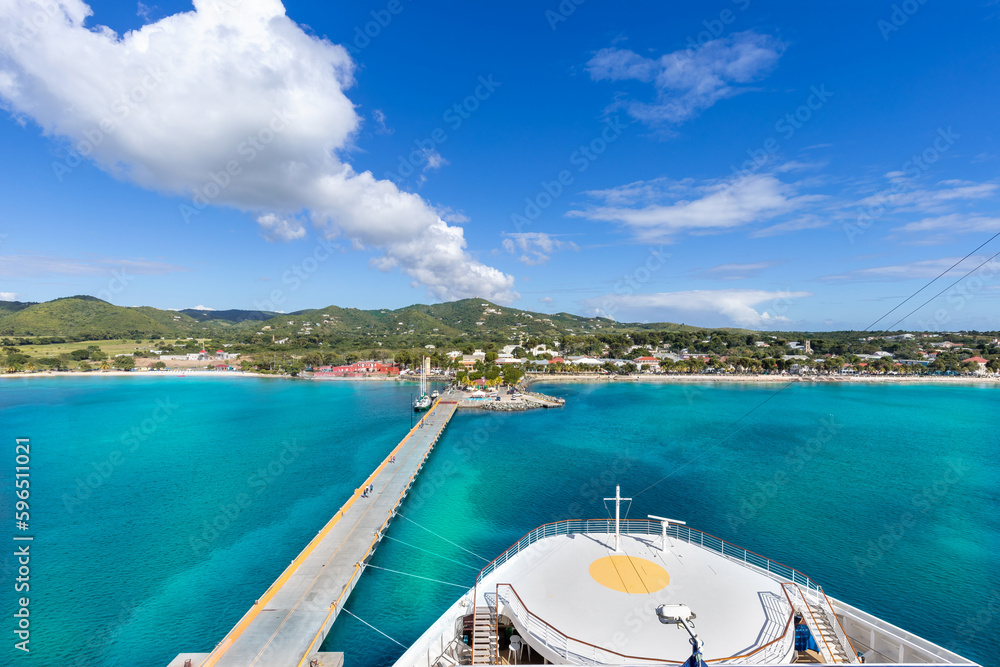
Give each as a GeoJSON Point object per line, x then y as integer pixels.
{"type": "Point", "coordinates": [681, 615]}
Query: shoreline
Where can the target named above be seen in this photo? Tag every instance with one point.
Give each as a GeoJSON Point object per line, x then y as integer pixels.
{"type": "Point", "coordinates": [763, 379]}
{"type": "Point", "coordinates": [181, 372]}
{"type": "Point", "coordinates": [570, 378]}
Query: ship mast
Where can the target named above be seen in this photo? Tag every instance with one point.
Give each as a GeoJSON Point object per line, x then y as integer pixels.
{"type": "Point", "coordinates": [423, 377]}
{"type": "Point", "coordinates": [618, 507]}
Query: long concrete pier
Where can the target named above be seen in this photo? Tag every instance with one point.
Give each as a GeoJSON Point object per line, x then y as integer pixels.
{"type": "Point", "coordinates": [287, 625]}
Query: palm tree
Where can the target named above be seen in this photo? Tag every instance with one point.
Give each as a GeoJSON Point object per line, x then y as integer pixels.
{"type": "Point", "coordinates": [105, 365]}
{"type": "Point", "coordinates": [30, 367]}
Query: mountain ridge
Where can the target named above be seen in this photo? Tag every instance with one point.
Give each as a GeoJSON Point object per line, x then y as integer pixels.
{"type": "Point", "coordinates": [83, 315]}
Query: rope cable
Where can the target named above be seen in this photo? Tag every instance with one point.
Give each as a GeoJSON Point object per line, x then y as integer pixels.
{"type": "Point", "coordinates": [487, 560]}
{"type": "Point", "coordinates": [926, 286]}
{"type": "Point", "coordinates": [374, 628]}
{"type": "Point", "coordinates": [896, 307]}
{"type": "Point", "coordinates": [430, 552]}
{"type": "Point", "coordinates": [417, 576]}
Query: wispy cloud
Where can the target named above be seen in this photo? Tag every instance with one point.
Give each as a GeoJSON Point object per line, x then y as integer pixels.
{"type": "Point", "coordinates": [925, 268]}
{"type": "Point", "coordinates": [379, 116]}
{"type": "Point", "coordinates": [799, 224]}
{"type": "Point", "coordinates": [688, 81]}
{"type": "Point", "coordinates": [739, 307]}
{"type": "Point", "coordinates": [711, 206]}
{"type": "Point", "coordinates": [535, 248]}
{"type": "Point", "coordinates": [736, 271]}
{"type": "Point", "coordinates": [277, 228]}
{"type": "Point", "coordinates": [40, 265]}
{"type": "Point", "coordinates": [910, 196]}
{"type": "Point", "coordinates": [955, 223]}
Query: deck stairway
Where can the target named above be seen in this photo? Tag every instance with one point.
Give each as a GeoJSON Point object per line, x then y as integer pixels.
{"type": "Point", "coordinates": [484, 636]}
{"type": "Point", "coordinates": [819, 617]}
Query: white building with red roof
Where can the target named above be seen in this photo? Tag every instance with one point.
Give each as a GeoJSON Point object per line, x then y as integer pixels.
{"type": "Point", "coordinates": [652, 362]}
{"type": "Point", "coordinates": [982, 363]}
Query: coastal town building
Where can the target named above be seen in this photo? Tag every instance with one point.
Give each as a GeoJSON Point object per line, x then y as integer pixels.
{"type": "Point", "coordinates": [652, 362]}
{"type": "Point", "coordinates": [980, 362]}
{"type": "Point", "coordinates": [194, 356]}
{"type": "Point", "coordinates": [369, 367]}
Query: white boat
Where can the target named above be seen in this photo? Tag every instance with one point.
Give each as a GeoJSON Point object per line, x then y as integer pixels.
{"type": "Point", "coordinates": [654, 592]}
{"type": "Point", "coordinates": [423, 401]}
{"type": "Point", "coordinates": [435, 394]}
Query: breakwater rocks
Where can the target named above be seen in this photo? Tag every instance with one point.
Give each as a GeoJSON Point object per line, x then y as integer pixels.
{"type": "Point", "coordinates": [510, 406]}
{"type": "Point", "coordinates": [543, 397]}
{"type": "Point", "coordinates": [529, 401]}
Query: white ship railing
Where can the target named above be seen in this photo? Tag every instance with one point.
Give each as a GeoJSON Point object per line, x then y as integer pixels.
{"type": "Point", "coordinates": [838, 629]}
{"type": "Point", "coordinates": [730, 551]}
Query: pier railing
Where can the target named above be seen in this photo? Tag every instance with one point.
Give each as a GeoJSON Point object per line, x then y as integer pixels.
{"type": "Point", "coordinates": [755, 561]}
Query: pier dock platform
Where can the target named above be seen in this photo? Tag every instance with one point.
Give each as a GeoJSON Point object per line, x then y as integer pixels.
{"type": "Point", "coordinates": [286, 626]}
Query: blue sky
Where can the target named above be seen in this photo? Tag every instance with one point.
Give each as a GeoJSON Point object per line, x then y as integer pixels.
{"type": "Point", "coordinates": [724, 163]}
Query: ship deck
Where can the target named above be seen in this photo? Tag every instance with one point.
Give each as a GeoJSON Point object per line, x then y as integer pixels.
{"type": "Point", "coordinates": [578, 586]}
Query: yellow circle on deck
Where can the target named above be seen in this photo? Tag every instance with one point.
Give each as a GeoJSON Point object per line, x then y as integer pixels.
{"type": "Point", "coordinates": [629, 574]}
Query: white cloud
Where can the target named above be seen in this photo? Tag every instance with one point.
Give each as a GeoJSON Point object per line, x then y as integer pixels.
{"type": "Point", "coordinates": [707, 207]}
{"type": "Point", "coordinates": [736, 306]}
{"type": "Point", "coordinates": [535, 247]}
{"type": "Point", "coordinates": [688, 81]}
{"type": "Point", "coordinates": [8, 296]}
{"type": "Point", "coordinates": [230, 104]}
{"type": "Point", "coordinates": [276, 228]}
{"type": "Point", "coordinates": [199, 307]}
{"type": "Point", "coordinates": [546, 299]}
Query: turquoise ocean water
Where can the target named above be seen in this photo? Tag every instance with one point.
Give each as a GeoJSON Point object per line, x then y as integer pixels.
{"type": "Point", "coordinates": [163, 507]}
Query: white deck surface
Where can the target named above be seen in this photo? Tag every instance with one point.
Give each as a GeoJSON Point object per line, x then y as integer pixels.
{"type": "Point", "coordinates": [552, 578]}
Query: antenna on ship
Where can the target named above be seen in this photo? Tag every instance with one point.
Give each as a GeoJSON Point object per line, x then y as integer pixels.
{"type": "Point", "coordinates": [665, 523]}
{"type": "Point", "coordinates": [618, 507]}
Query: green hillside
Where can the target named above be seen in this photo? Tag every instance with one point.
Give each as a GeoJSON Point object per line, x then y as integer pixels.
{"type": "Point", "coordinates": [473, 319]}
{"type": "Point", "coordinates": [78, 315]}
{"type": "Point", "coordinates": [14, 306]}
{"type": "Point", "coordinates": [467, 317]}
